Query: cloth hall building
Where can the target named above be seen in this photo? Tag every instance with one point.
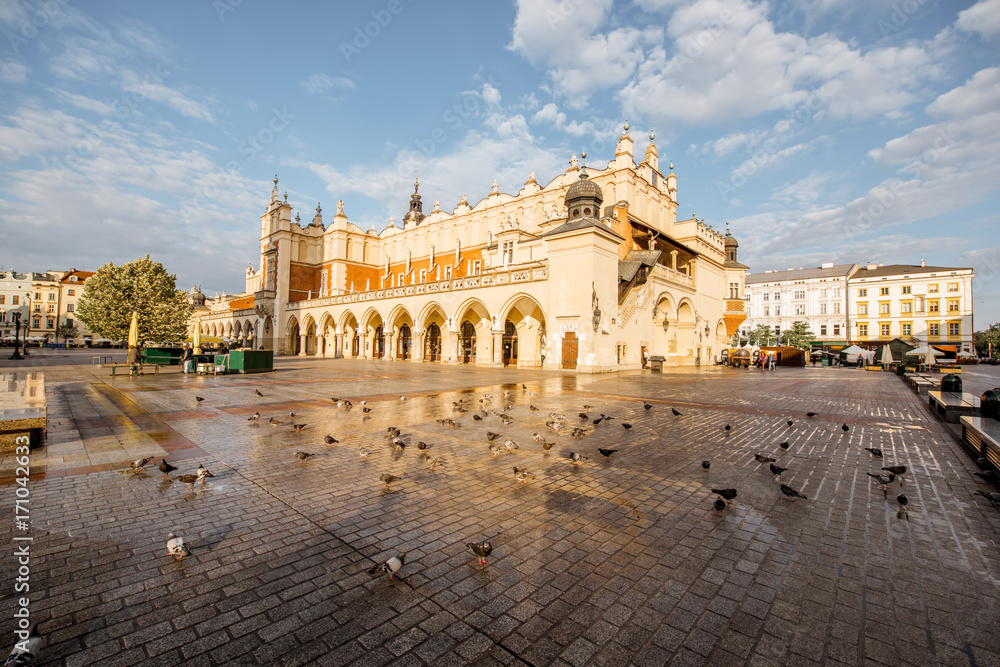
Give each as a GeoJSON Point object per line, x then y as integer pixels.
{"type": "Point", "coordinates": [591, 271]}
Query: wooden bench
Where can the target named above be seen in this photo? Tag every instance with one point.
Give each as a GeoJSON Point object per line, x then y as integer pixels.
{"type": "Point", "coordinates": [949, 406]}
{"type": "Point", "coordinates": [128, 367]}
{"type": "Point", "coordinates": [981, 437]}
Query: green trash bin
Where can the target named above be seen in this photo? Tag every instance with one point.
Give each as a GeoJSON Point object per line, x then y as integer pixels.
{"type": "Point", "coordinates": [951, 382]}
{"type": "Point", "coordinates": [989, 404]}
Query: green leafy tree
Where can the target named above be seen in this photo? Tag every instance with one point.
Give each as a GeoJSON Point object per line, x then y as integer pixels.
{"type": "Point", "coordinates": [985, 341]}
{"type": "Point", "coordinates": [798, 336]}
{"type": "Point", "coordinates": [114, 292]}
{"type": "Point", "coordinates": [67, 332]}
{"type": "Point", "coordinates": [760, 334]}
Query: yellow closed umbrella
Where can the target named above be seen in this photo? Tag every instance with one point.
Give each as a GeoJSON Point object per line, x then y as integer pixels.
{"type": "Point", "coordinates": [133, 330]}
{"type": "Point", "coordinates": [197, 335]}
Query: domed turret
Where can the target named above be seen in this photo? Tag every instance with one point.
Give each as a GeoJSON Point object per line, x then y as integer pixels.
{"type": "Point", "coordinates": [584, 197]}
{"type": "Point", "coordinates": [197, 298]}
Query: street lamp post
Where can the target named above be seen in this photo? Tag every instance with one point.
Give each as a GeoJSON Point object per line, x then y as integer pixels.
{"type": "Point", "coordinates": [17, 330]}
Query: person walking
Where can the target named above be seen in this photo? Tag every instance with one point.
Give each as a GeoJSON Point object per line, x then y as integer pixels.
{"type": "Point", "coordinates": [187, 359]}
{"type": "Point", "coordinates": [132, 360]}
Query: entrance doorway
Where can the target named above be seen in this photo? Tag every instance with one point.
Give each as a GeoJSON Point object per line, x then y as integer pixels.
{"type": "Point", "coordinates": [467, 342]}
{"type": "Point", "coordinates": [432, 346]}
{"type": "Point", "coordinates": [378, 345]}
{"type": "Point", "coordinates": [509, 344]}
{"type": "Point", "coordinates": [403, 347]}
{"type": "Point", "coordinates": [570, 347]}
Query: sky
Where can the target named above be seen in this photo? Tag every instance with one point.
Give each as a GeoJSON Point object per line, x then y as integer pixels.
{"type": "Point", "coordinates": [820, 130]}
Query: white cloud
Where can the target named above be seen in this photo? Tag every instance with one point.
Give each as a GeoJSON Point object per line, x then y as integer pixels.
{"type": "Point", "coordinates": [320, 83]}
{"type": "Point", "coordinates": [804, 190]}
{"type": "Point", "coordinates": [83, 102]}
{"type": "Point", "coordinates": [550, 114]}
{"type": "Point", "coordinates": [13, 72]}
{"type": "Point", "coordinates": [149, 85]}
{"type": "Point", "coordinates": [983, 17]}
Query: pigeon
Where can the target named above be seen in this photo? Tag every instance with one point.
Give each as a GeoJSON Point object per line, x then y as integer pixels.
{"type": "Point", "coordinates": [362, 402]}
{"type": "Point", "coordinates": [298, 427]}
{"type": "Point", "coordinates": [646, 405]}
{"type": "Point", "coordinates": [402, 398]}
{"type": "Point", "coordinates": [902, 500]}
{"type": "Point", "coordinates": [481, 549]}
{"type": "Point", "coordinates": [588, 407]}
{"type": "Point", "coordinates": [166, 468]}
{"type": "Point", "coordinates": [728, 494]}
{"type": "Point", "coordinates": [705, 465]}
{"type": "Point", "coordinates": [199, 399]}
{"type": "Point", "coordinates": [188, 479]}
{"type": "Point", "coordinates": [583, 415]}
{"type": "Point", "coordinates": [203, 473]}
{"type": "Point", "coordinates": [626, 426]}
{"type": "Point", "coordinates": [274, 422]}
{"type": "Point", "coordinates": [876, 452]}
{"type": "Point", "coordinates": [606, 418]}
{"type": "Point", "coordinates": [398, 444]}
{"type": "Point", "coordinates": [777, 470]}
{"type": "Point", "coordinates": [433, 463]}
{"type": "Point", "coordinates": [387, 479]}
{"type": "Point", "coordinates": [257, 391]}
{"type": "Point", "coordinates": [533, 408]}
{"type": "Point", "coordinates": [989, 476]}
{"type": "Point", "coordinates": [896, 470]}
{"type": "Point", "coordinates": [676, 414]}
{"type": "Point", "coordinates": [139, 464]}
{"type": "Point", "coordinates": [26, 649]}
{"type": "Point", "coordinates": [537, 437]}
{"type": "Point", "coordinates": [546, 445]}
{"type": "Point", "coordinates": [845, 428]}
{"type": "Point", "coordinates": [578, 433]}
{"type": "Point", "coordinates": [883, 480]}
{"type": "Point", "coordinates": [491, 436]}
{"type": "Point", "coordinates": [330, 440]}
{"type": "Point", "coordinates": [598, 420]}
{"type": "Point", "coordinates": [254, 417]}
{"type": "Point", "coordinates": [575, 457]}
{"type": "Point", "coordinates": [991, 496]}
{"type": "Point", "coordinates": [522, 476]}
{"type": "Point", "coordinates": [784, 445]}
{"type": "Point", "coordinates": [606, 452]}
{"type": "Point", "coordinates": [477, 418]}
{"type": "Point", "coordinates": [335, 399]}
{"type": "Point", "coordinates": [728, 427]}
{"type": "Point", "coordinates": [789, 422]}
{"type": "Point", "coordinates": [524, 386]}
{"type": "Point", "coordinates": [302, 456]}
{"type": "Point", "coordinates": [720, 505]}
{"type": "Point", "coordinates": [176, 546]}
{"type": "Point", "coordinates": [421, 445]}
{"type": "Point", "coordinates": [366, 410]}
{"type": "Point", "coordinates": [391, 566]}
{"type": "Point", "coordinates": [392, 430]}
{"type": "Point", "coordinates": [496, 450]}
{"type": "Point", "coordinates": [792, 494]}
{"type": "Point", "coordinates": [761, 459]}
{"type": "Point", "coordinates": [810, 414]}
{"type": "Point", "coordinates": [363, 452]}
{"type": "Point", "coordinates": [510, 445]}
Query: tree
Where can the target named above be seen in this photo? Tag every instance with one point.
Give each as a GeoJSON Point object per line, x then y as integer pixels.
{"type": "Point", "coordinates": [798, 336]}
{"type": "Point", "coordinates": [114, 292]}
{"type": "Point", "coordinates": [988, 340]}
{"type": "Point", "coordinates": [760, 334]}
{"type": "Point", "coordinates": [67, 332]}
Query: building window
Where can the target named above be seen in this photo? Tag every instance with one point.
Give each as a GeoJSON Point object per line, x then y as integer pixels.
{"type": "Point", "coordinates": [822, 330]}
{"type": "Point", "coordinates": [507, 252]}
{"type": "Point", "coordinates": [52, 296]}
{"type": "Point", "coordinates": [933, 306]}
{"type": "Point", "coordinates": [883, 291]}
{"type": "Point", "coordinates": [69, 308]}
{"type": "Point", "coordinates": [883, 308]}
{"type": "Point", "coordinates": [52, 308]}
{"type": "Point", "coordinates": [323, 280]}
{"type": "Point", "coordinates": [800, 309]}
{"type": "Point", "coordinates": [14, 299]}
{"type": "Point", "coordinates": [836, 329]}
{"type": "Point", "coordinates": [884, 330]}
{"type": "Point", "coordinates": [476, 267]}
{"type": "Point", "coordinates": [38, 307]}
{"type": "Point", "coordinates": [3, 299]}
{"type": "Point", "coordinates": [50, 324]}
{"type": "Point", "coordinates": [919, 304]}
{"type": "Point", "coordinates": [862, 309]}
{"type": "Point", "coordinates": [953, 305]}
{"type": "Point", "coordinates": [907, 289]}
{"type": "Point", "coordinates": [906, 307]}
{"type": "Point", "coordinates": [767, 311]}
{"type": "Point", "coordinates": [863, 330]}
{"type": "Point", "coordinates": [822, 293]}
{"type": "Point", "coordinates": [38, 296]}
{"type": "Point", "coordinates": [863, 292]}
{"type": "Point", "coordinates": [767, 296]}
{"type": "Point", "coordinates": [69, 322]}
{"type": "Point", "coordinates": [934, 329]}
{"type": "Point", "coordinates": [423, 275]}
{"type": "Point", "coordinates": [836, 308]}
{"type": "Point", "coordinates": [402, 278]}
{"type": "Point", "coordinates": [777, 296]}
{"type": "Point", "coordinates": [932, 288]}
{"type": "Point", "coordinates": [447, 273]}
{"type": "Point", "coordinates": [777, 310]}
{"type": "Point", "coordinates": [953, 329]}
{"type": "Point", "coordinates": [71, 292]}
{"type": "Point", "coordinates": [822, 309]}
{"type": "Point", "coordinates": [906, 329]}
{"type": "Point", "coordinates": [836, 291]}
{"type": "Point", "coordinates": [952, 287]}
{"type": "Point", "coordinates": [800, 294]}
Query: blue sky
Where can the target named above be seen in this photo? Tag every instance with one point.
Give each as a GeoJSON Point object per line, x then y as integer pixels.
{"type": "Point", "coordinates": [822, 130]}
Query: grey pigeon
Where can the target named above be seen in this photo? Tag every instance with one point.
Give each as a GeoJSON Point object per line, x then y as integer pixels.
{"type": "Point", "coordinates": [27, 648]}
{"type": "Point", "coordinates": [576, 457]}
{"type": "Point", "coordinates": [481, 549]}
{"type": "Point", "coordinates": [728, 494]}
{"type": "Point", "coordinates": [991, 496]}
{"type": "Point", "coordinates": [875, 451]}
{"type": "Point", "coordinates": [791, 494]}
{"type": "Point", "coordinates": [720, 505]}
{"type": "Point", "coordinates": [302, 456]}
{"type": "Point", "coordinates": [176, 546]}
{"type": "Point", "coordinates": [391, 566]}
{"type": "Point", "coordinates": [387, 479]}
{"type": "Point", "coordinates": [883, 480]}
{"type": "Point", "coordinates": [777, 470]}
{"type": "Point", "coordinates": [166, 468]}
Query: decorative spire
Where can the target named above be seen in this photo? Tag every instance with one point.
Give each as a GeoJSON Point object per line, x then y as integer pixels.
{"type": "Point", "coordinates": [496, 188]}
{"type": "Point", "coordinates": [286, 195]}
{"type": "Point", "coordinates": [275, 180]}
{"type": "Point", "coordinates": [437, 206]}
{"type": "Point", "coordinates": [583, 167]}
{"type": "Point", "coordinates": [318, 209]}
{"type": "Point", "coordinates": [298, 220]}
{"type": "Point", "coordinates": [625, 132]}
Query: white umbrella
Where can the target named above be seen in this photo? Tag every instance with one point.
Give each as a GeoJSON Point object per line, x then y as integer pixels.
{"type": "Point", "coordinates": [925, 350]}
{"type": "Point", "coordinates": [885, 357]}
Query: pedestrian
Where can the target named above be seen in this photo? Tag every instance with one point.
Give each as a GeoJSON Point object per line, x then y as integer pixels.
{"type": "Point", "coordinates": [132, 360]}
{"type": "Point", "coordinates": [645, 357]}
{"type": "Point", "coordinates": [187, 358]}
{"type": "Point", "coordinates": [771, 358]}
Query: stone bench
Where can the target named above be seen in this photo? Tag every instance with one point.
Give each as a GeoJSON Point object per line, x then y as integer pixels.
{"type": "Point", "coordinates": [981, 437]}
{"type": "Point", "coordinates": [22, 409]}
{"type": "Point", "coordinates": [921, 384]}
{"type": "Point", "coordinates": [949, 406]}
{"type": "Point", "coordinates": [128, 367]}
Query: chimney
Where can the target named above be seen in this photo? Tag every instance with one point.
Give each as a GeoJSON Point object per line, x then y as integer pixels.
{"type": "Point", "coordinates": [922, 262]}
{"type": "Point", "coordinates": [881, 264]}
{"type": "Point", "coordinates": [871, 267]}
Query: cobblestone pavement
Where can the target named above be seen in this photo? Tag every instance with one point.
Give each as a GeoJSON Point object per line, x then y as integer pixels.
{"type": "Point", "coordinates": [612, 561]}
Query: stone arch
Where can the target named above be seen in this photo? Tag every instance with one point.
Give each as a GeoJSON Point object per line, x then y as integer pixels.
{"type": "Point", "coordinates": [525, 345]}
{"type": "Point", "coordinates": [687, 333]}
{"type": "Point", "coordinates": [400, 326]}
{"type": "Point", "coordinates": [291, 341]}
{"type": "Point", "coordinates": [325, 335]}
{"type": "Point", "coordinates": [432, 329]}
{"type": "Point", "coordinates": [351, 339]}
{"type": "Point", "coordinates": [475, 344]}
{"type": "Point", "coordinates": [373, 334]}
{"type": "Point", "coordinates": [663, 341]}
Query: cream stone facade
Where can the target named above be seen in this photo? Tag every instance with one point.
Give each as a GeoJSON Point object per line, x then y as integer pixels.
{"type": "Point", "coordinates": [589, 272]}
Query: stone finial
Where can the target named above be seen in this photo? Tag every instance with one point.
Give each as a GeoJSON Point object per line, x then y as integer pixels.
{"type": "Point", "coordinates": [340, 207]}
{"type": "Point", "coordinates": [496, 188]}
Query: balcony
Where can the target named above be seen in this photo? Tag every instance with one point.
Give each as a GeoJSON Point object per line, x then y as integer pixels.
{"type": "Point", "coordinates": [671, 276]}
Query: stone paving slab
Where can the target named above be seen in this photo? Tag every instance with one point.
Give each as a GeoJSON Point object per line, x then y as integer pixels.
{"type": "Point", "coordinates": [613, 561]}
